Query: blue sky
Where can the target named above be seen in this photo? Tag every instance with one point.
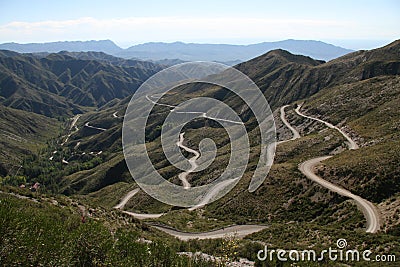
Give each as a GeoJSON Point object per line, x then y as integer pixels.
{"type": "Point", "coordinates": [354, 24]}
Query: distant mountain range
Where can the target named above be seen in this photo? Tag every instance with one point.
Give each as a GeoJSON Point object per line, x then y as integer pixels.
{"type": "Point", "coordinates": [230, 54]}
{"type": "Point", "coordinates": [105, 46]}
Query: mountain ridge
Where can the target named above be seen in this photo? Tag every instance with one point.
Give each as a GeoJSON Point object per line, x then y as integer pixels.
{"type": "Point", "coordinates": [307, 76]}
{"type": "Point", "coordinates": [315, 49]}
{"type": "Point", "coordinates": [187, 51]}
{"type": "Point", "coordinates": [60, 84]}
{"type": "Point", "coordinates": [106, 46]}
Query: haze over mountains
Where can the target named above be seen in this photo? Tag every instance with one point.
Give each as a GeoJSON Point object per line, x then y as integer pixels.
{"type": "Point", "coordinates": [227, 53]}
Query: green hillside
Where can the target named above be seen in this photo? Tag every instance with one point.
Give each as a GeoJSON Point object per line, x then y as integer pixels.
{"type": "Point", "coordinates": [22, 133]}
{"type": "Point", "coordinates": [50, 232]}
{"type": "Point", "coordinates": [62, 84]}
{"type": "Point", "coordinates": [285, 78]}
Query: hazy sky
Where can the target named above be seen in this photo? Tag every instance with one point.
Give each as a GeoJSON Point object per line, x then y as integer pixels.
{"type": "Point", "coordinates": [353, 23]}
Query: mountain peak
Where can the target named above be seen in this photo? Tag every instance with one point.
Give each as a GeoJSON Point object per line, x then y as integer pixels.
{"type": "Point", "coordinates": [286, 56]}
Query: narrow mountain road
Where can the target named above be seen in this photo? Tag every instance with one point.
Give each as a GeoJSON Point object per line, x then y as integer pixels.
{"type": "Point", "coordinates": [143, 216]}
{"type": "Point", "coordinates": [74, 121]}
{"type": "Point", "coordinates": [73, 125]}
{"type": "Point", "coordinates": [159, 104]}
{"type": "Point", "coordinates": [213, 192]}
{"type": "Point", "coordinates": [370, 212]}
{"type": "Point", "coordinates": [307, 168]}
{"type": "Point", "coordinates": [140, 216]}
{"type": "Point", "coordinates": [93, 127]}
{"type": "Point", "coordinates": [192, 161]}
{"type": "Point", "coordinates": [352, 145]}
{"type": "Point", "coordinates": [126, 198]}
{"type": "Point", "coordinates": [182, 176]}
{"type": "Point", "coordinates": [204, 115]}
{"type": "Point", "coordinates": [237, 230]}
{"type": "Point", "coordinates": [295, 133]}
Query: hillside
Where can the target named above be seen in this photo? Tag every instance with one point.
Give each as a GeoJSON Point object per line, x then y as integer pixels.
{"type": "Point", "coordinates": [62, 84]}
{"type": "Point", "coordinates": [285, 78]}
{"type": "Point", "coordinates": [368, 109]}
{"type": "Point", "coordinates": [49, 231]}
{"type": "Point", "coordinates": [22, 134]}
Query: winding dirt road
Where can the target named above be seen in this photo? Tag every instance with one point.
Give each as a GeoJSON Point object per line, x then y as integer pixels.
{"type": "Point", "coordinates": [126, 198]}
{"type": "Point", "coordinates": [295, 133]}
{"type": "Point", "coordinates": [182, 176]}
{"type": "Point", "coordinates": [73, 125]}
{"type": "Point", "coordinates": [307, 168]}
{"type": "Point", "coordinates": [370, 212]}
{"type": "Point", "coordinates": [368, 209]}
{"type": "Point", "coordinates": [159, 104]}
{"type": "Point", "coordinates": [352, 145]}
{"type": "Point", "coordinates": [213, 192]}
{"type": "Point", "coordinates": [140, 216]}
{"type": "Point", "coordinates": [143, 216]}
{"type": "Point", "coordinates": [203, 114]}
{"type": "Point", "coordinates": [237, 230]}
{"type": "Point", "coordinates": [93, 127]}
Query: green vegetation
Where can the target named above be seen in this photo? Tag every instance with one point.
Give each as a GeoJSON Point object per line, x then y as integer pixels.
{"type": "Point", "coordinates": [22, 133]}
{"type": "Point", "coordinates": [41, 234]}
